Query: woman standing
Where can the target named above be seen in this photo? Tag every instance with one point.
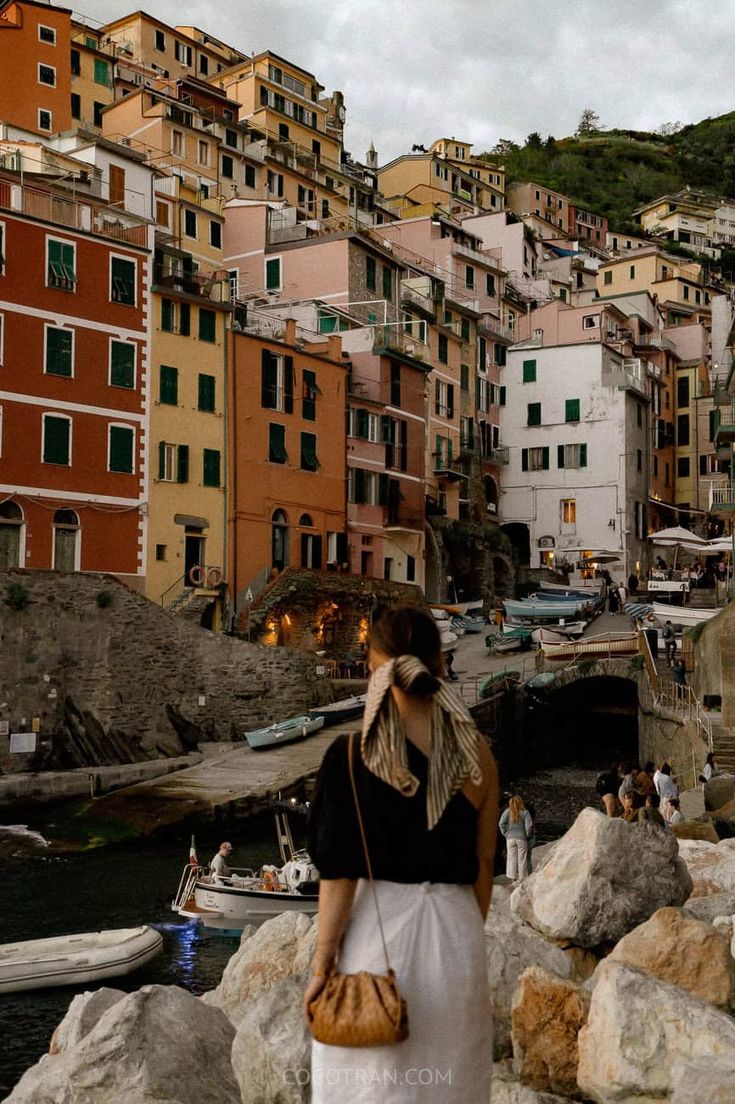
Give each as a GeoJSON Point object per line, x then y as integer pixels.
{"type": "Point", "coordinates": [667, 789]}
{"type": "Point", "coordinates": [516, 825]}
{"type": "Point", "coordinates": [709, 770]}
{"type": "Point", "coordinates": [428, 794]}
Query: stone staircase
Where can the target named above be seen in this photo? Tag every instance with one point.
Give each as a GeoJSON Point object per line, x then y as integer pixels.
{"type": "Point", "coordinates": [723, 742]}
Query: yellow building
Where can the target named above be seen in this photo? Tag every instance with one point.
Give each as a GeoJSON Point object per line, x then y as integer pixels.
{"type": "Point", "coordinates": [445, 174]}
{"type": "Point", "coordinates": [92, 77]}
{"type": "Point", "coordinates": [679, 286]}
{"type": "Point", "coordinates": [686, 216]}
{"type": "Point", "coordinates": [171, 51]}
{"type": "Point", "coordinates": [459, 155]}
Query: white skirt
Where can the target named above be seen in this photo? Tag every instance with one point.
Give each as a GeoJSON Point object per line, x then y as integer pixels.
{"type": "Point", "coordinates": [436, 945]}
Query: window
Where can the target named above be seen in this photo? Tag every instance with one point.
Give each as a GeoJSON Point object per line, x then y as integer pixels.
{"type": "Point", "coordinates": [534, 459]}
{"type": "Point", "coordinates": [204, 64]}
{"type": "Point", "coordinates": [231, 139]}
{"type": "Point", "coordinates": [160, 41]}
{"type": "Point", "coordinates": [277, 443]}
{"type": "Point", "coordinates": [122, 275]}
{"type": "Point", "coordinates": [101, 72]}
{"type": "Point", "coordinates": [534, 414]}
{"type": "Point", "coordinates": [173, 463]}
{"type": "Point", "coordinates": [168, 385]}
{"type": "Point", "coordinates": [387, 283]}
{"type": "Point", "coordinates": [529, 371]}
{"type": "Point", "coordinates": [682, 467]}
{"type": "Point", "coordinates": [122, 364]}
{"type": "Point", "coordinates": [465, 329]}
{"type": "Point", "coordinates": [395, 384]}
{"type": "Point", "coordinates": [283, 131]}
{"type": "Point", "coordinates": [571, 456]}
{"type": "Point", "coordinates": [590, 321]}
{"type": "Point", "coordinates": [182, 53]}
{"type": "Point", "coordinates": [443, 349]}
{"type": "Point", "coordinates": [310, 391]}
{"type": "Point", "coordinates": [464, 377]}
{"type": "Point", "coordinates": [714, 421]}
{"type": "Point", "coordinates": [228, 167]}
{"type": "Point", "coordinates": [190, 224]}
{"type": "Point", "coordinates": [207, 325]}
{"type": "Point", "coordinates": [60, 264]}
{"type": "Point", "coordinates": [76, 106]}
{"type": "Point", "coordinates": [56, 439]}
{"type": "Point", "coordinates": [45, 119]}
{"type": "Point", "coordinates": [275, 184]}
{"type": "Point", "coordinates": [46, 34]}
{"type": "Point", "coordinates": [160, 552]}
{"type": "Point", "coordinates": [639, 415]}
{"type": "Point", "coordinates": [249, 176]}
{"type": "Point", "coordinates": [571, 410]}
{"type": "Point", "coordinates": [469, 276]}
{"type": "Point", "coordinates": [363, 424]}
{"type": "Point", "coordinates": [501, 355]}
{"type": "Point", "coordinates": [206, 393]}
{"type": "Point", "coordinates": [276, 390]}
{"type": "Point", "coordinates": [309, 460]}
{"type": "Point", "coordinates": [273, 273]}
{"type": "Point", "coordinates": [47, 75]}
{"type": "Point", "coordinates": [490, 285]}
{"type": "Point", "coordinates": [215, 234]}
{"type": "Point", "coordinates": [682, 429]}
{"type": "Point", "coordinates": [177, 143]}
{"type": "Point", "coordinates": [162, 213]}
{"type": "Point", "coordinates": [203, 153]}
{"type": "Point", "coordinates": [76, 64]}
{"type": "Point", "coordinates": [117, 186]}
{"type": "Point", "coordinates": [631, 272]}
{"type": "Point", "coordinates": [685, 291]}
{"type": "Point", "coordinates": [59, 352]}
{"type": "Point", "coordinates": [443, 399]}
{"type": "Point", "coordinates": [120, 449]}
{"type": "Point", "coordinates": [639, 459]}
{"type": "Point", "coordinates": [682, 392]}
{"type": "Point", "coordinates": [211, 464]}
{"type": "Point", "coordinates": [97, 109]}
{"type": "Point", "coordinates": [568, 511]}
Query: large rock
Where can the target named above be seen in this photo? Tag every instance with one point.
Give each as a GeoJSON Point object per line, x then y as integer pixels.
{"type": "Point", "coordinates": [637, 1029]}
{"type": "Point", "coordinates": [696, 830]}
{"type": "Point", "coordinates": [686, 952]}
{"type": "Point", "coordinates": [512, 946]}
{"type": "Point", "coordinates": [704, 1080]}
{"type": "Point", "coordinates": [507, 1090]}
{"type": "Point", "coordinates": [603, 879]}
{"type": "Point", "coordinates": [81, 1016]}
{"type": "Point", "coordinates": [159, 1045]}
{"type": "Point", "coordinates": [280, 948]}
{"type": "Point", "coordinates": [710, 907]}
{"type": "Point", "coordinates": [712, 866]}
{"type": "Point", "coordinates": [719, 791]}
{"type": "Point", "coordinates": [271, 1054]}
{"type": "Point", "coordinates": [547, 1015]}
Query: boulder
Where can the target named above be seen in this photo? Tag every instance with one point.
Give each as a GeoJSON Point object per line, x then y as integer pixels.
{"type": "Point", "coordinates": [711, 866]}
{"type": "Point", "coordinates": [704, 1080]}
{"type": "Point", "coordinates": [718, 792]}
{"type": "Point", "coordinates": [603, 879]}
{"type": "Point", "coordinates": [159, 1045]}
{"type": "Point", "coordinates": [696, 830]}
{"type": "Point", "coordinates": [637, 1029]}
{"type": "Point", "coordinates": [81, 1016]}
{"type": "Point", "coordinates": [512, 946]}
{"type": "Point", "coordinates": [278, 949]}
{"type": "Point", "coordinates": [271, 1054]}
{"type": "Point", "coordinates": [725, 812]}
{"type": "Point", "coordinates": [507, 1090]}
{"type": "Point", "coordinates": [692, 954]}
{"type": "Point", "coordinates": [547, 1015]}
{"type": "Point", "coordinates": [712, 906]}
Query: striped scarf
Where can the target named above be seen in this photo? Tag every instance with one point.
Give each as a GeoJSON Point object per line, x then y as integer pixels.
{"type": "Point", "coordinates": [455, 740]}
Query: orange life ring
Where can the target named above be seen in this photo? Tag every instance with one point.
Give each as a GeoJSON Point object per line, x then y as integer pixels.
{"type": "Point", "coordinates": [196, 575]}
{"type": "Point", "coordinates": [214, 576]}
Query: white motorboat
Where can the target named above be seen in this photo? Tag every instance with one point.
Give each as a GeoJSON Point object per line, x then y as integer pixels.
{"type": "Point", "coordinates": [248, 896]}
{"type": "Point", "coordinates": [89, 957]}
{"type": "Point", "coordinates": [686, 616]}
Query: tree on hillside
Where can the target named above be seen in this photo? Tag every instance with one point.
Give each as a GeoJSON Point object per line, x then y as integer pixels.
{"type": "Point", "coordinates": [589, 122]}
{"type": "Point", "coordinates": [505, 147]}
{"type": "Point", "coordinates": [534, 140]}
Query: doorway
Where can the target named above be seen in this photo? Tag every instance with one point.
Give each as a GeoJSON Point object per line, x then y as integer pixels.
{"type": "Point", "coordinates": [193, 555]}
{"type": "Point", "coordinates": [11, 535]}
{"type": "Point", "coordinates": [66, 541]}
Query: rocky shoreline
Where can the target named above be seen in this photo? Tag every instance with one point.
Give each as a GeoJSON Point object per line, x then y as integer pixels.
{"type": "Point", "coordinates": [611, 970]}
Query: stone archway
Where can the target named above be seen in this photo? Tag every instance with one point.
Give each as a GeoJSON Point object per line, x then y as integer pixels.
{"type": "Point", "coordinates": [519, 536]}
{"type": "Point", "coordinates": [589, 720]}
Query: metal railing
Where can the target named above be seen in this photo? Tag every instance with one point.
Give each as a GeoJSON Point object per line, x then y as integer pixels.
{"type": "Point", "coordinates": [110, 222]}
{"type": "Point", "coordinates": [198, 577]}
{"type": "Point", "coordinates": [681, 701]}
{"type": "Point", "coordinates": [213, 286]}
{"type": "Point", "coordinates": [722, 494]}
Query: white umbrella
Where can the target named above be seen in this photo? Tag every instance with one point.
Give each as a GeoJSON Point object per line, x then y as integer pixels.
{"type": "Point", "coordinates": [676, 535]}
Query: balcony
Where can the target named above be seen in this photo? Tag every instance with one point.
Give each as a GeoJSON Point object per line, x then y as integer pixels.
{"type": "Point", "coordinates": [444, 468]}
{"type": "Point", "coordinates": [412, 298]}
{"type": "Point", "coordinates": [490, 326]}
{"type": "Point", "coordinates": [725, 430]}
{"type": "Point", "coordinates": [211, 286]}
{"type": "Point", "coordinates": [404, 521]}
{"type": "Point", "coordinates": [722, 496]}
{"type": "Point", "coordinates": [628, 376]}
{"type": "Point", "coordinates": [499, 455]}
{"type": "Point", "coordinates": [369, 390]}
{"type": "Point", "coordinates": [108, 222]}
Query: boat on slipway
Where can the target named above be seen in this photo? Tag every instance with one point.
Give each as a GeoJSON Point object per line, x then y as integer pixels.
{"type": "Point", "coordinates": [83, 959]}
{"type": "Point", "coordinates": [686, 616]}
{"type": "Point", "coordinates": [603, 646]}
{"type": "Point", "coordinates": [284, 732]}
{"type": "Point", "coordinates": [251, 896]}
{"type": "Point", "coordinates": [338, 712]}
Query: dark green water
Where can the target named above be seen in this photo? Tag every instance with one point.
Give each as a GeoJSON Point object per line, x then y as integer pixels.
{"type": "Point", "coordinates": [117, 887]}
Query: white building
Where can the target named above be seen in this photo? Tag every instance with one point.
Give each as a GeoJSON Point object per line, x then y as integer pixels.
{"type": "Point", "coordinates": [575, 425]}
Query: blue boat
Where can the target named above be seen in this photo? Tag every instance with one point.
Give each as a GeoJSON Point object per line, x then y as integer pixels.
{"type": "Point", "coordinates": [339, 711]}
{"type": "Point", "coordinates": [284, 732]}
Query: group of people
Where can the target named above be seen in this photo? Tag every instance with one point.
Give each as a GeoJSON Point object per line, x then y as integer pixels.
{"type": "Point", "coordinates": [646, 793]}
{"type": "Point", "coordinates": [617, 596]}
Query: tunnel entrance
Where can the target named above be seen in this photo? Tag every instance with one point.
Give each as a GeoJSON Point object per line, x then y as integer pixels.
{"type": "Point", "coordinates": [588, 723]}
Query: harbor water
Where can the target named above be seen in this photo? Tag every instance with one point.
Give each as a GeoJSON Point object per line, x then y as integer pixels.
{"type": "Point", "coordinates": [118, 887]}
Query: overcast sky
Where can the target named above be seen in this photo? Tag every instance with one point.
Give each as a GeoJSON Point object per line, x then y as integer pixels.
{"type": "Point", "coordinates": [417, 70]}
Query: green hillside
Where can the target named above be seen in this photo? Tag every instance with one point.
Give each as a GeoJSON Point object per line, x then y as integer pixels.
{"type": "Point", "coordinates": [614, 172]}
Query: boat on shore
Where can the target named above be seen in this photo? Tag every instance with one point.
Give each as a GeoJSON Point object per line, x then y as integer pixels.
{"type": "Point", "coordinates": [606, 644]}
{"type": "Point", "coordinates": [283, 732]}
{"type": "Point", "coordinates": [89, 957]}
{"type": "Point", "coordinates": [340, 711]}
{"type": "Point", "coordinates": [534, 609]}
{"type": "Point", "coordinates": [248, 896]}
{"type": "Point", "coordinates": [686, 616]}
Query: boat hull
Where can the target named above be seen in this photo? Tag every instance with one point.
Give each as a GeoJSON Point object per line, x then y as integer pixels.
{"type": "Point", "coordinates": [230, 908]}
{"type": "Point", "coordinates": [683, 615]}
{"type": "Point", "coordinates": [544, 611]}
{"type": "Point", "coordinates": [602, 646]}
{"type": "Point", "coordinates": [286, 732]}
{"type": "Point", "coordinates": [340, 711]}
{"type": "Point", "coordinates": [82, 959]}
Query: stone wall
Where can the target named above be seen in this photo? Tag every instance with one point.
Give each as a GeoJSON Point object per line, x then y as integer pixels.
{"type": "Point", "coordinates": [111, 677]}
{"type": "Point", "coordinates": [713, 659]}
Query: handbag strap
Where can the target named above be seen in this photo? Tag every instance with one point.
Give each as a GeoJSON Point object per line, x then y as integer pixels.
{"type": "Point", "coordinates": [365, 849]}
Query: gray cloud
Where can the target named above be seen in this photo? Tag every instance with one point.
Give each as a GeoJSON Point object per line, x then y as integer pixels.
{"type": "Point", "coordinates": [485, 69]}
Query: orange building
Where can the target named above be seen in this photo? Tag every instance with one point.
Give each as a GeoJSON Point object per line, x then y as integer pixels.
{"type": "Point", "coordinates": [35, 70]}
{"type": "Point", "coordinates": [73, 350]}
{"type": "Point", "coordinates": [287, 484]}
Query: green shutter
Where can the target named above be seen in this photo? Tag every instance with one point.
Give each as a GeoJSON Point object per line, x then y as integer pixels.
{"type": "Point", "coordinates": [583, 456]}
{"type": "Point", "coordinates": [211, 468]}
{"type": "Point", "coordinates": [571, 410]}
{"type": "Point", "coordinates": [308, 403]}
{"type": "Point", "coordinates": [268, 380]}
{"type": "Point", "coordinates": [207, 325]}
{"type": "Point", "coordinates": [58, 352]}
{"type": "Point", "coordinates": [288, 385]}
{"type": "Point", "coordinates": [206, 393]}
{"type": "Point", "coordinates": [122, 364]}
{"type": "Point", "coordinates": [502, 395]}
{"type": "Point", "coordinates": [121, 449]}
{"type": "Point", "coordinates": [101, 72]}
{"type": "Point", "coordinates": [273, 274]}
{"type": "Point", "coordinates": [370, 280]}
{"type": "Point", "coordinates": [161, 459]}
{"type": "Point", "coordinates": [524, 459]}
{"type": "Point", "coordinates": [534, 414]}
{"type": "Point", "coordinates": [360, 485]}
{"type": "Point", "coordinates": [56, 433]}
{"type": "Point", "coordinates": [465, 329]}
{"type": "Point", "coordinates": [382, 489]}
{"type": "Point", "coordinates": [123, 281]}
{"type": "Point", "coordinates": [450, 400]}
{"type": "Point", "coordinates": [167, 315]}
{"type": "Point", "coordinates": [529, 371]}
{"type": "Point", "coordinates": [545, 464]}
{"type": "Point", "coordinates": [464, 377]}
{"type": "Point", "coordinates": [168, 390]}
{"type": "Point", "coordinates": [60, 272]}
{"type": "Point", "coordinates": [362, 424]}
{"type": "Point", "coordinates": [560, 456]}
{"type": "Point", "coordinates": [387, 283]}
{"type": "Point", "coordinates": [309, 461]}
{"type": "Point", "coordinates": [277, 443]}
{"type": "Point", "coordinates": [182, 464]}
{"type": "Point", "coordinates": [184, 319]}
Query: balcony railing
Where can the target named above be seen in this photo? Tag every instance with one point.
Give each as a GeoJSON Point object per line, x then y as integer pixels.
{"type": "Point", "coordinates": [499, 455]}
{"type": "Point", "coordinates": [110, 222]}
{"type": "Point", "coordinates": [405, 519]}
{"type": "Point", "coordinates": [627, 376]}
{"type": "Point", "coordinates": [725, 428]}
{"type": "Point", "coordinates": [212, 286]}
{"type": "Point", "coordinates": [722, 494]}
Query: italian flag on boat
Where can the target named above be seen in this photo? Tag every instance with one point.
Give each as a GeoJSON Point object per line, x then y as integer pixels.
{"type": "Point", "coordinates": [193, 861]}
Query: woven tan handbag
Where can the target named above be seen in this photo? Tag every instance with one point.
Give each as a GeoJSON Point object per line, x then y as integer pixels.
{"type": "Point", "coordinates": [360, 1010]}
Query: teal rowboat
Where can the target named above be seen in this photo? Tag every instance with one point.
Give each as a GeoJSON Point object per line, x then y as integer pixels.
{"type": "Point", "coordinates": [284, 732]}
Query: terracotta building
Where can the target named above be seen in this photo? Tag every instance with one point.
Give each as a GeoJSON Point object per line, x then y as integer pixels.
{"type": "Point", "coordinates": [35, 74]}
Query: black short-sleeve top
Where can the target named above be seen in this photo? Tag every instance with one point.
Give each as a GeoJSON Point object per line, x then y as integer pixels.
{"type": "Point", "coordinates": [401, 847]}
